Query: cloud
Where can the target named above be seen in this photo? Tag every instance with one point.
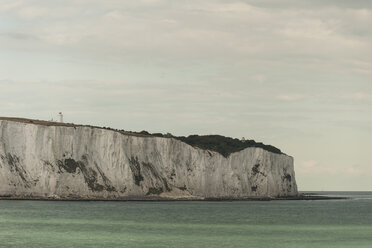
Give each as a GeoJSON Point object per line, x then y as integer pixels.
{"type": "Point", "coordinates": [9, 5]}
{"type": "Point", "coordinates": [310, 163]}
{"type": "Point", "coordinates": [353, 171]}
{"type": "Point", "coordinates": [291, 97]}
{"type": "Point", "coordinates": [314, 168]}
{"type": "Point", "coordinates": [152, 2]}
{"type": "Point", "coordinates": [359, 96]}
{"type": "Point", "coordinates": [194, 30]}
{"type": "Point", "coordinates": [32, 12]}
{"type": "Point", "coordinates": [258, 78]}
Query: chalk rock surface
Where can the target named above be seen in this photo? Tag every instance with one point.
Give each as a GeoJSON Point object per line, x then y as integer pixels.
{"type": "Point", "coordinates": [40, 161]}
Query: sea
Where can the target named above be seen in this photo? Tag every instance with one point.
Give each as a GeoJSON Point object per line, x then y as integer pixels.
{"type": "Point", "coordinates": [284, 223]}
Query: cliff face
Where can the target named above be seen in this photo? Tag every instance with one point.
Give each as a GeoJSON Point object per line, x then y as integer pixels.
{"type": "Point", "coordinates": [38, 161]}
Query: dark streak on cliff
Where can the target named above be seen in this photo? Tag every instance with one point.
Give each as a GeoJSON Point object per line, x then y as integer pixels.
{"type": "Point", "coordinates": [15, 166]}
{"type": "Point", "coordinates": [90, 175]}
{"type": "Point", "coordinates": [135, 167]}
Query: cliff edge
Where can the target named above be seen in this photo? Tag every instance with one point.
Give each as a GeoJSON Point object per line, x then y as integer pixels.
{"type": "Point", "coordinates": [42, 160]}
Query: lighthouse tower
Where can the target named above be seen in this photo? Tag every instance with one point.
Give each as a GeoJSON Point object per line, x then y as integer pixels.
{"type": "Point", "coordinates": [60, 117]}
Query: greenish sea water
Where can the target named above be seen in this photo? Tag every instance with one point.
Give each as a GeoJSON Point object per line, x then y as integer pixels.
{"type": "Point", "coordinates": [325, 223]}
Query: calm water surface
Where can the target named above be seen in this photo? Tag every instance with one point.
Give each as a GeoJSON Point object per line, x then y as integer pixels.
{"type": "Point", "coordinates": [328, 223]}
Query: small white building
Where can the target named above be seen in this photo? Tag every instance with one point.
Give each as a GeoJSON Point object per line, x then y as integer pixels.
{"type": "Point", "coordinates": [60, 117]}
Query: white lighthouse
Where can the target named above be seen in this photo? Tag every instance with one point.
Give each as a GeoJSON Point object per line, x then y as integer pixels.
{"type": "Point", "coordinates": [60, 117]}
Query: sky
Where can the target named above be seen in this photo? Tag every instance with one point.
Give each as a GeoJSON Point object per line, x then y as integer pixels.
{"type": "Point", "coordinates": [295, 74]}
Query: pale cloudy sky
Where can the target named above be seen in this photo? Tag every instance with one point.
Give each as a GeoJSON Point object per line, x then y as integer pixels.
{"type": "Point", "coordinates": [296, 74]}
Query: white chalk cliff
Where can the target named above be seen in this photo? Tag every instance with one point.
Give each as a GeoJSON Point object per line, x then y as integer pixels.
{"type": "Point", "coordinates": [40, 161]}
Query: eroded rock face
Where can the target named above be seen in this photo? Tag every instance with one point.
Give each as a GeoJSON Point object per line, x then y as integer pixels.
{"type": "Point", "coordinates": [84, 162]}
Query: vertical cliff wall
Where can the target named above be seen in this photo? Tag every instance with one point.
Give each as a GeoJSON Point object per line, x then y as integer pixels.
{"type": "Point", "coordinates": [39, 161]}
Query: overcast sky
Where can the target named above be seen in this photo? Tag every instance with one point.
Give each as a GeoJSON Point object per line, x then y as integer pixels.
{"type": "Point", "coordinates": [295, 74]}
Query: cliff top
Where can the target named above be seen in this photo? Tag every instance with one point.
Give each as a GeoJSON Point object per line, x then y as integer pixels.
{"type": "Point", "coordinates": [221, 144]}
{"type": "Point", "coordinates": [63, 124]}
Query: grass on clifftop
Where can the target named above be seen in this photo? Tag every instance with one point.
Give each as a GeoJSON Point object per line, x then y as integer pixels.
{"type": "Point", "coordinates": [224, 145]}
{"type": "Point", "coordinates": [218, 143]}
{"type": "Point", "coordinates": [221, 144]}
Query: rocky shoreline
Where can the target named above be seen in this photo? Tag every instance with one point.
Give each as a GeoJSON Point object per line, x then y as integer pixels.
{"type": "Point", "coordinates": [305, 197]}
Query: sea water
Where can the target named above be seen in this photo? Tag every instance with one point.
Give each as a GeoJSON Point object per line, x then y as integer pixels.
{"type": "Point", "coordinates": [296, 223]}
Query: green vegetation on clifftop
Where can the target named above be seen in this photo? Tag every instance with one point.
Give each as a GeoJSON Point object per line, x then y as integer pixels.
{"type": "Point", "coordinates": [221, 144]}
{"type": "Point", "coordinates": [224, 145]}
{"type": "Point", "coordinates": [218, 143]}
